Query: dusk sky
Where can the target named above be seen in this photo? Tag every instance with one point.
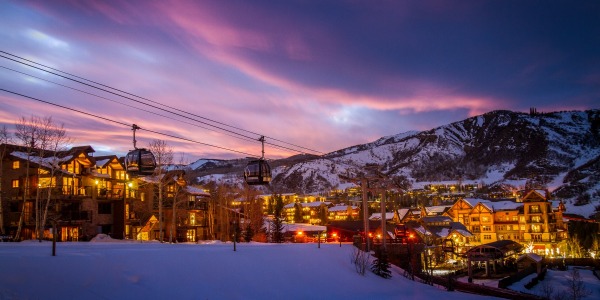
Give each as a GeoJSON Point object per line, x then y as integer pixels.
{"type": "Point", "coordinates": [323, 75]}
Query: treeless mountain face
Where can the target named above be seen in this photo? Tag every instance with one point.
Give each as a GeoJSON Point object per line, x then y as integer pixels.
{"type": "Point", "coordinates": [539, 147]}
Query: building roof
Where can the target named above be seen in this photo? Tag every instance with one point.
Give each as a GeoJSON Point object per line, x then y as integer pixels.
{"type": "Point", "coordinates": [532, 256]}
{"type": "Point", "coordinates": [342, 208]}
{"type": "Point", "coordinates": [377, 216]}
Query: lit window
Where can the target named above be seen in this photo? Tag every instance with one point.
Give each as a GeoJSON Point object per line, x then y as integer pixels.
{"type": "Point", "coordinates": [534, 209]}
{"type": "Point", "coordinates": [16, 164]}
{"type": "Point", "coordinates": [15, 183]}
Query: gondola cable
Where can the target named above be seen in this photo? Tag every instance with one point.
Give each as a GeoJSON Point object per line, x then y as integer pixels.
{"type": "Point", "coordinates": [123, 123]}
{"type": "Point", "coordinates": [198, 116]}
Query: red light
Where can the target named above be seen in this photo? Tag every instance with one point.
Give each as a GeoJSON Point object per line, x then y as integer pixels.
{"type": "Point", "coordinates": [411, 236]}
{"type": "Point", "coordinates": [334, 234]}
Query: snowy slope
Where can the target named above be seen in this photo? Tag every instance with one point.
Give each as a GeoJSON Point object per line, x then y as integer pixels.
{"type": "Point", "coordinates": [559, 151]}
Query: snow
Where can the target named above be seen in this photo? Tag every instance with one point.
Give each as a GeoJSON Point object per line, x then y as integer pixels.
{"type": "Point", "coordinates": [110, 269]}
{"type": "Point", "coordinates": [558, 280]}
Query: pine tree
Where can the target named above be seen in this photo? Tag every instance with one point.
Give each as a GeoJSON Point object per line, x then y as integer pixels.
{"type": "Point", "coordinates": [248, 233]}
{"type": "Point", "coordinates": [277, 229]}
{"type": "Point", "coordinates": [381, 265]}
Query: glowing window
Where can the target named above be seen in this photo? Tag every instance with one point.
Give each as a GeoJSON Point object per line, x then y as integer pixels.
{"type": "Point", "coordinates": [16, 164]}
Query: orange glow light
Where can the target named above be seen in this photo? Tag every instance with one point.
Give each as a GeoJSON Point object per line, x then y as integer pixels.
{"type": "Point", "coordinates": [299, 233]}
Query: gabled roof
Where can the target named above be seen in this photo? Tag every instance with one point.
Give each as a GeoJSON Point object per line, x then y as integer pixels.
{"type": "Point", "coordinates": [532, 256]}
{"type": "Point", "coordinates": [103, 161]}
{"type": "Point", "coordinates": [494, 206]}
{"type": "Point", "coordinates": [342, 208]}
{"type": "Point", "coordinates": [377, 216]}
{"type": "Point", "coordinates": [437, 210]}
{"type": "Point", "coordinates": [192, 190]}
{"type": "Point", "coordinates": [535, 195]}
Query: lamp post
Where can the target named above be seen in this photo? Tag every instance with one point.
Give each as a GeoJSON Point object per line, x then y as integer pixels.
{"type": "Point", "coordinates": [410, 259]}
{"type": "Point", "coordinates": [234, 234]}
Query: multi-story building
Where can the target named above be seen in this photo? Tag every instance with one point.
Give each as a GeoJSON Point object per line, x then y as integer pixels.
{"type": "Point", "coordinates": [343, 212]}
{"type": "Point", "coordinates": [184, 207]}
{"type": "Point", "coordinates": [83, 194]}
{"type": "Point", "coordinates": [88, 195]}
{"type": "Point", "coordinates": [533, 222]}
{"type": "Point", "coordinates": [310, 212]}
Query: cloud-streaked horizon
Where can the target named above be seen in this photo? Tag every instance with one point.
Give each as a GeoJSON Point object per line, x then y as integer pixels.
{"type": "Point", "coordinates": [324, 75]}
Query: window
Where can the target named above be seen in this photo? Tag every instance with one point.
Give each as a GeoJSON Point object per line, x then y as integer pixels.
{"type": "Point", "coordinates": [475, 219]}
{"type": "Point", "coordinates": [485, 219]}
{"type": "Point", "coordinates": [16, 164]}
{"type": "Point", "coordinates": [487, 236]}
{"type": "Point", "coordinates": [536, 219]}
{"type": "Point", "coordinates": [104, 208]}
{"type": "Point", "coordinates": [487, 228]}
{"type": "Point", "coordinates": [15, 183]}
{"type": "Point", "coordinates": [534, 209]}
{"type": "Point", "coordinates": [191, 235]}
{"type": "Point", "coordinates": [515, 218]}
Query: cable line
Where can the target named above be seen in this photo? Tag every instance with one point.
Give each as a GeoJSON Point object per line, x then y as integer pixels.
{"type": "Point", "coordinates": [120, 103]}
{"type": "Point", "coordinates": [124, 92]}
{"type": "Point", "coordinates": [122, 123]}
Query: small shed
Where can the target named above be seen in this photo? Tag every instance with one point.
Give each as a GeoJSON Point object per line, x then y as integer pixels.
{"type": "Point", "coordinates": [529, 260]}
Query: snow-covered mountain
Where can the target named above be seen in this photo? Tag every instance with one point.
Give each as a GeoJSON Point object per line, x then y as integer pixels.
{"type": "Point", "coordinates": [559, 150]}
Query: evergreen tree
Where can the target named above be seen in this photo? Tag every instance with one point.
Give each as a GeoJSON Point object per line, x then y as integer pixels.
{"type": "Point", "coordinates": [381, 265]}
{"type": "Point", "coordinates": [298, 213]}
{"type": "Point", "coordinates": [248, 233]}
{"type": "Point", "coordinates": [277, 227]}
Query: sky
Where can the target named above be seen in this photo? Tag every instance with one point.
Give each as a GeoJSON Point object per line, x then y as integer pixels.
{"type": "Point", "coordinates": [211, 77]}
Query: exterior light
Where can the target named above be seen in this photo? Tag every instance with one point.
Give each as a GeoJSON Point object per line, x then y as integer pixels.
{"type": "Point", "coordinates": [299, 233]}
{"type": "Point", "coordinates": [130, 184]}
{"type": "Point", "coordinates": [96, 182]}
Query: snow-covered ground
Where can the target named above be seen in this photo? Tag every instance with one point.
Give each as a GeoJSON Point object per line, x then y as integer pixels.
{"type": "Point", "coordinates": [558, 282]}
{"type": "Point", "coordinates": [110, 269]}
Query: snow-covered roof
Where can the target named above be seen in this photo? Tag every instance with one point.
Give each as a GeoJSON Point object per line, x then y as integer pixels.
{"type": "Point", "coordinates": [342, 208]}
{"type": "Point", "coordinates": [463, 232]}
{"type": "Point", "coordinates": [439, 209]}
{"type": "Point", "coordinates": [46, 162]}
{"type": "Point", "coordinates": [196, 191]}
{"type": "Point", "coordinates": [474, 201]}
{"type": "Point", "coordinates": [503, 205]}
{"type": "Point", "coordinates": [102, 162]}
{"type": "Point", "coordinates": [377, 216]}
{"type": "Point", "coordinates": [533, 257]}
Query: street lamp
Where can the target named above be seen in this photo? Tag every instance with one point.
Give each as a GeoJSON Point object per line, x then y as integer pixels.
{"type": "Point", "coordinates": [410, 260]}
{"type": "Point", "coordinates": [234, 234]}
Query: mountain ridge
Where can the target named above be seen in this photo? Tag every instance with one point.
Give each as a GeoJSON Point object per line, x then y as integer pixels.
{"type": "Point", "coordinates": [556, 150]}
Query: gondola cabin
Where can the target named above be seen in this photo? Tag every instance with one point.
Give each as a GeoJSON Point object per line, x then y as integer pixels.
{"type": "Point", "coordinates": [257, 172]}
{"type": "Point", "coordinates": [140, 162]}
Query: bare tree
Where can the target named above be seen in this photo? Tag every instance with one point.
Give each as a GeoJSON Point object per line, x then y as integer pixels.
{"type": "Point", "coordinates": [164, 158]}
{"type": "Point", "coordinates": [27, 131]}
{"type": "Point", "coordinates": [57, 141]}
{"type": "Point", "coordinates": [5, 139]}
{"type": "Point", "coordinates": [576, 286]}
{"type": "Point", "coordinates": [181, 180]}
